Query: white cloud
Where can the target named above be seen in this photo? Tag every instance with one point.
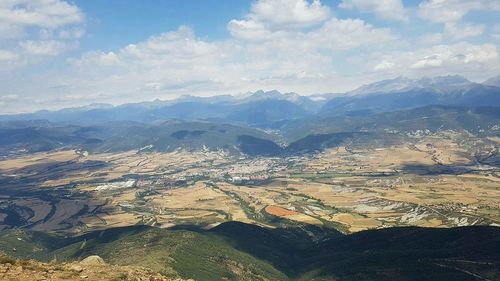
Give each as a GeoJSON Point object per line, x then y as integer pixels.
{"type": "Point", "coordinates": [460, 31]}
{"type": "Point", "coordinates": [431, 38]}
{"type": "Point", "coordinates": [7, 55]}
{"type": "Point", "coordinates": [268, 17]}
{"type": "Point", "coordinates": [39, 13]}
{"type": "Point", "coordinates": [451, 13]}
{"type": "Point", "coordinates": [33, 29]}
{"type": "Point", "coordinates": [249, 30]}
{"type": "Point", "coordinates": [428, 61]}
{"type": "Point", "coordinates": [340, 34]}
{"type": "Point", "coordinates": [288, 13]}
{"type": "Point", "coordinates": [453, 10]}
{"type": "Point", "coordinates": [385, 9]}
{"type": "Point", "coordinates": [384, 65]}
{"type": "Point", "coordinates": [181, 44]}
{"type": "Point", "coordinates": [474, 61]}
{"type": "Point", "coordinates": [463, 55]}
{"type": "Point", "coordinates": [286, 27]}
{"type": "Point", "coordinates": [71, 33]}
{"type": "Point", "coordinates": [43, 48]}
{"type": "Point", "coordinates": [479, 54]}
{"type": "Point", "coordinates": [446, 10]}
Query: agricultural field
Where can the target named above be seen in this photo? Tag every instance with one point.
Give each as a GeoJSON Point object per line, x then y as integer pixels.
{"type": "Point", "coordinates": [430, 181]}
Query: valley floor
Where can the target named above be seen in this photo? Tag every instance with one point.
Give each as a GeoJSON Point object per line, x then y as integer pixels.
{"type": "Point", "coordinates": [433, 180]}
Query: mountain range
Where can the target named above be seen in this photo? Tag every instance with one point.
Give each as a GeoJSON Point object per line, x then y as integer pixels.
{"type": "Point", "coordinates": [264, 123]}
{"type": "Point", "coordinates": [266, 109]}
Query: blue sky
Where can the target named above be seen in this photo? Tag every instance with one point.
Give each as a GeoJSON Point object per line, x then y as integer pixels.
{"type": "Point", "coordinates": [140, 19]}
{"type": "Point", "coordinates": [64, 53]}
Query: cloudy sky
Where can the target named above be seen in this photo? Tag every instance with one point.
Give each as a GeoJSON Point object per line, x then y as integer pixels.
{"type": "Point", "coordinates": [63, 53]}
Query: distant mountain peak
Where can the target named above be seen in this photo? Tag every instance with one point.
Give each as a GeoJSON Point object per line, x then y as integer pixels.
{"type": "Point", "coordinates": [447, 78]}
{"type": "Point", "coordinates": [443, 83]}
{"type": "Point", "coordinates": [385, 86]}
{"type": "Point", "coordinates": [493, 81]}
{"type": "Point", "coordinates": [92, 106]}
{"type": "Point", "coordinates": [210, 99]}
{"type": "Point", "coordinates": [263, 95]}
{"type": "Point", "coordinates": [439, 84]}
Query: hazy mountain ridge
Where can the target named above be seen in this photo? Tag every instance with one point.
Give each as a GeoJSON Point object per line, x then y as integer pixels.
{"type": "Point", "coordinates": [242, 124]}
{"type": "Point", "coordinates": [493, 81]}
{"type": "Point", "coordinates": [458, 94]}
{"type": "Point", "coordinates": [303, 135]}
{"type": "Point", "coordinates": [123, 136]}
{"type": "Point", "coordinates": [283, 106]}
{"type": "Point", "coordinates": [400, 84]}
{"type": "Point", "coordinates": [263, 108]}
{"type": "Point", "coordinates": [477, 120]}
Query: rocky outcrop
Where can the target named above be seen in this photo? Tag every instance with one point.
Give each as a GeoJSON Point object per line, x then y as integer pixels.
{"type": "Point", "coordinates": [90, 268]}
{"type": "Point", "coordinates": [92, 260]}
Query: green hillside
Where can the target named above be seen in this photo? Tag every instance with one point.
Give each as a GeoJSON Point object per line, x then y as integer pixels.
{"type": "Point", "coordinates": [477, 120]}
{"type": "Point", "coordinates": [238, 251]}
{"type": "Point", "coordinates": [29, 137]}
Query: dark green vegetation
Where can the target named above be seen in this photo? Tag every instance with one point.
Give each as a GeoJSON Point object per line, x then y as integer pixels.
{"type": "Point", "coordinates": [29, 137]}
{"type": "Point", "coordinates": [477, 120]}
{"type": "Point", "coordinates": [254, 146]}
{"type": "Point", "coordinates": [240, 251]}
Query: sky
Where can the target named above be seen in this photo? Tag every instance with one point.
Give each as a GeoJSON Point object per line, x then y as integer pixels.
{"type": "Point", "coordinates": [66, 53]}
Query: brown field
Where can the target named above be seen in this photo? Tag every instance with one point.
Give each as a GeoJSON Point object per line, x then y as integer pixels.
{"type": "Point", "coordinates": [37, 158]}
{"type": "Point", "coordinates": [280, 212]}
{"type": "Point", "coordinates": [433, 181]}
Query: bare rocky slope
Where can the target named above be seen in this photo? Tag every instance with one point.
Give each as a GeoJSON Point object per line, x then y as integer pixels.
{"type": "Point", "coordinates": [90, 268]}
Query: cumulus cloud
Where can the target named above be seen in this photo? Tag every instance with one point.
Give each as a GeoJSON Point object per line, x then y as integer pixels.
{"type": "Point", "coordinates": [40, 13]}
{"type": "Point", "coordinates": [385, 9]}
{"type": "Point", "coordinates": [428, 61]}
{"type": "Point", "coordinates": [283, 22]}
{"type": "Point", "coordinates": [350, 33]}
{"type": "Point", "coordinates": [43, 48]}
{"type": "Point", "coordinates": [463, 55]}
{"type": "Point", "coordinates": [446, 10]}
{"type": "Point", "coordinates": [249, 30]}
{"type": "Point", "coordinates": [451, 12]}
{"type": "Point", "coordinates": [267, 17]}
{"type": "Point", "coordinates": [288, 13]}
{"type": "Point", "coordinates": [460, 31]}
{"type": "Point", "coordinates": [384, 65]}
{"type": "Point", "coordinates": [475, 61]}
{"type": "Point", "coordinates": [31, 29]}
